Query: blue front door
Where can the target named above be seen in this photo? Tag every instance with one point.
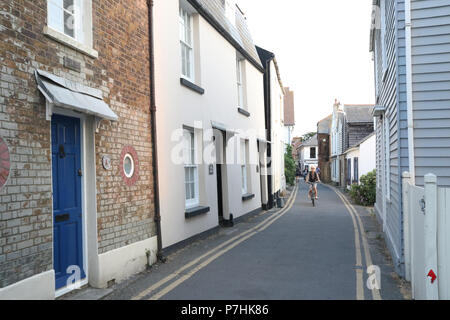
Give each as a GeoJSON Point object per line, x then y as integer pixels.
{"type": "Point", "coordinates": [67, 206]}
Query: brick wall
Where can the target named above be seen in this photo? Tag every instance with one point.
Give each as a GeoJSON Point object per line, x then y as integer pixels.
{"type": "Point", "coordinates": [124, 214]}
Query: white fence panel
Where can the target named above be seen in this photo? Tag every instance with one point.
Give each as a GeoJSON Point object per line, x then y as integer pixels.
{"type": "Point", "coordinates": [417, 238]}
{"type": "Point", "coordinates": [427, 238]}
{"type": "Point", "coordinates": [443, 225]}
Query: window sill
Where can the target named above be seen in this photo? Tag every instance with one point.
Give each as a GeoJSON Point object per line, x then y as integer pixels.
{"type": "Point", "coordinates": [196, 211]}
{"type": "Point", "coordinates": [244, 112]}
{"type": "Point", "coordinates": [247, 197]}
{"type": "Point", "coordinates": [70, 42]}
{"type": "Point", "coordinates": [188, 84]}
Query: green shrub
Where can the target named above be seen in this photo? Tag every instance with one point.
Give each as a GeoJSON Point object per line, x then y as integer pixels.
{"type": "Point", "coordinates": [365, 193]}
{"type": "Point", "coordinates": [289, 166]}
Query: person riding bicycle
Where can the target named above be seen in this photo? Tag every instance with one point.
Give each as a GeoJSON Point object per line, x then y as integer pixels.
{"type": "Point", "coordinates": [313, 178]}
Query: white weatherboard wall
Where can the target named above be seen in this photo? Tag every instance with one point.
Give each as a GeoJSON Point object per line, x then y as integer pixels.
{"type": "Point", "coordinates": [178, 106]}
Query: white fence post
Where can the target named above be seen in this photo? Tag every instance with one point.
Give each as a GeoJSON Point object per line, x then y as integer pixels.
{"type": "Point", "coordinates": [444, 242]}
{"type": "Point", "coordinates": [406, 179]}
{"type": "Point", "coordinates": [431, 260]}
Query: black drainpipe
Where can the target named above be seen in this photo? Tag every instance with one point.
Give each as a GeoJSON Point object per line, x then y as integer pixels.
{"type": "Point", "coordinates": [159, 254]}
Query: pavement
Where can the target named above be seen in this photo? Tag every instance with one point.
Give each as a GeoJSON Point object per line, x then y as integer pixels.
{"type": "Point", "coordinates": [299, 252]}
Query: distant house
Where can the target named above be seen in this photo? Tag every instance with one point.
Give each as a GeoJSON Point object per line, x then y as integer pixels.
{"type": "Point", "coordinates": [324, 148]}
{"type": "Point", "coordinates": [410, 46]}
{"type": "Point", "coordinates": [360, 159]}
{"type": "Point", "coordinates": [274, 96]}
{"type": "Point", "coordinates": [289, 114]}
{"type": "Point", "coordinates": [349, 125]}
{"type": "Point", "coordinates": [337, 143]}
{"type": "Point", "coordinates": [308, 153]}
{"type": "Point", "coordinates": [358, 124]}
{"type": "Point", "coordinates": [296, 143]}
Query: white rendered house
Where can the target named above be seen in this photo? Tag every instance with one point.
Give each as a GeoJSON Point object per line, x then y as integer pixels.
{"type": "Point", "coordinates": [275, 123]}
{"type": "Point", "coordinates": [210, 100]}
{"type": "Point", "coordinates": [309, 154]}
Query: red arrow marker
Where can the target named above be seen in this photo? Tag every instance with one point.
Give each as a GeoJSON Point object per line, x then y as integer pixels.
{"type": "Point", "coordinates": [432, 275]}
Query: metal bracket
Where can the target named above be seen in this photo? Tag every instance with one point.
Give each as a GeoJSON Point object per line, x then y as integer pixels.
{"type": "Point", "coordinates": [48, 110]}
{"type": "Point", "coordinates": [422, 205]}
{"type": "Point", "coordinates": [97, 124]}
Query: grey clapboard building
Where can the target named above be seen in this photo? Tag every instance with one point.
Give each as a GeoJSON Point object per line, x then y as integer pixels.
{"type": "Point", "coordinates": [410, 41]}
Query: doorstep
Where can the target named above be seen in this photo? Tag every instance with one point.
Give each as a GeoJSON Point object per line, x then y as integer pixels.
{"type": "Point", "coordinates": [87, 293]}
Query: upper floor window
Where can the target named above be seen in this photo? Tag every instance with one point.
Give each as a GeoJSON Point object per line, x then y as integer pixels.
{"type": "Point", "coordinates": [186, 41]}
{"type": "Point", "coordinates": [240, 82]}
{"type": "Point", "coordinates": [70, 23]}
{"type": "Point", "coordinates": [312, 153]}
{"type": "Point", "coordinates": [65, 16]}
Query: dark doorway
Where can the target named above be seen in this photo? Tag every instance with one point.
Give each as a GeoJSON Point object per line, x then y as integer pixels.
{"type": "Point", "coordinates": [219, 191]}
{"type": "Point", "coordinates": [219, 138]}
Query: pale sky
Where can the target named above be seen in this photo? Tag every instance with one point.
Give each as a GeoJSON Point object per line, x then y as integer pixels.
{"type": "Point", "coordinates": [322, 48]}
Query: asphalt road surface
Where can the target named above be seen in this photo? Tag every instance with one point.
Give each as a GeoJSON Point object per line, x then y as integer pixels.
{"type": "Point", "coordinates": [299, 252]}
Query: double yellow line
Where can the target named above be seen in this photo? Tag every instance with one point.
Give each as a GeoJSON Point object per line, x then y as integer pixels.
{"type": "Point", "coordinates": [213, 254]}
{"type": "Point", "coordinates": [359, 266]}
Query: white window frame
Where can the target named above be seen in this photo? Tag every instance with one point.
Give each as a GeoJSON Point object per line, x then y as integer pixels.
{"type": "Point", "coordinates": [376, 73]}
{"type": "Point", "coordinates": [77, 14]}
{"type": "Point", "coordinates": [240, 82]}
{"type": "Point", "coordinates": [82, 40]}
{"type": "Point", "coordinates": [186, 26]}
{"type": "Point", "coordinates": [128, 156]}
{"type": "Point", "coordinates": [387, 159]}
{"type": "Point", "coordinates": [383, 38]}
{"type": "Point", "coordinates": [190, 155]}
{"type": "Point", "coordinates": [244, 167]}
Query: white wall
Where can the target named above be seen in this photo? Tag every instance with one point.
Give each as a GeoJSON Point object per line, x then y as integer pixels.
{"type": "Point", "coordinates": [367, 160]}
{"type": "Point", "coordinates": [178, 106]}
{"type": "Point", "coordinates": [278, 131]}
{"type": "Point", "coordinates": [37, 287]}
{"type": "Point", "coordinates": [352, 155]}
{"type": "Point", "coordinates": [366, 157]}
{"type": "Point", "coordinates": [306, 160]}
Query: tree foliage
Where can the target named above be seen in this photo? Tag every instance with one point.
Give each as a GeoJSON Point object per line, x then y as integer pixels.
{"type": "Point", "coordinates": [308, 135]}
{"type": "Point", "coordinates": [289, 166]}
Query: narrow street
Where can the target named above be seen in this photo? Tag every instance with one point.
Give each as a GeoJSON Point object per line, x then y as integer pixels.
{"type": "Point", "coordinates": [299, 252]}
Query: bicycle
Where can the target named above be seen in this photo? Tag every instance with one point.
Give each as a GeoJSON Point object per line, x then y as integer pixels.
{"type": "Point", "coordinates": [313, 192]}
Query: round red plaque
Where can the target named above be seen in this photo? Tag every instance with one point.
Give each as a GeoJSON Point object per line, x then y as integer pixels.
{"type": "Point", "coordinates": [5, 164]}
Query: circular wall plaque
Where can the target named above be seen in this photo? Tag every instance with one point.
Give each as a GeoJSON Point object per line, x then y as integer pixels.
{"type": "Point", "coordinates": [106, 161]}
{"type": "Point", "coordinates": [5, 164]}
{"type": "Point", "coordinates": [129, 165]}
